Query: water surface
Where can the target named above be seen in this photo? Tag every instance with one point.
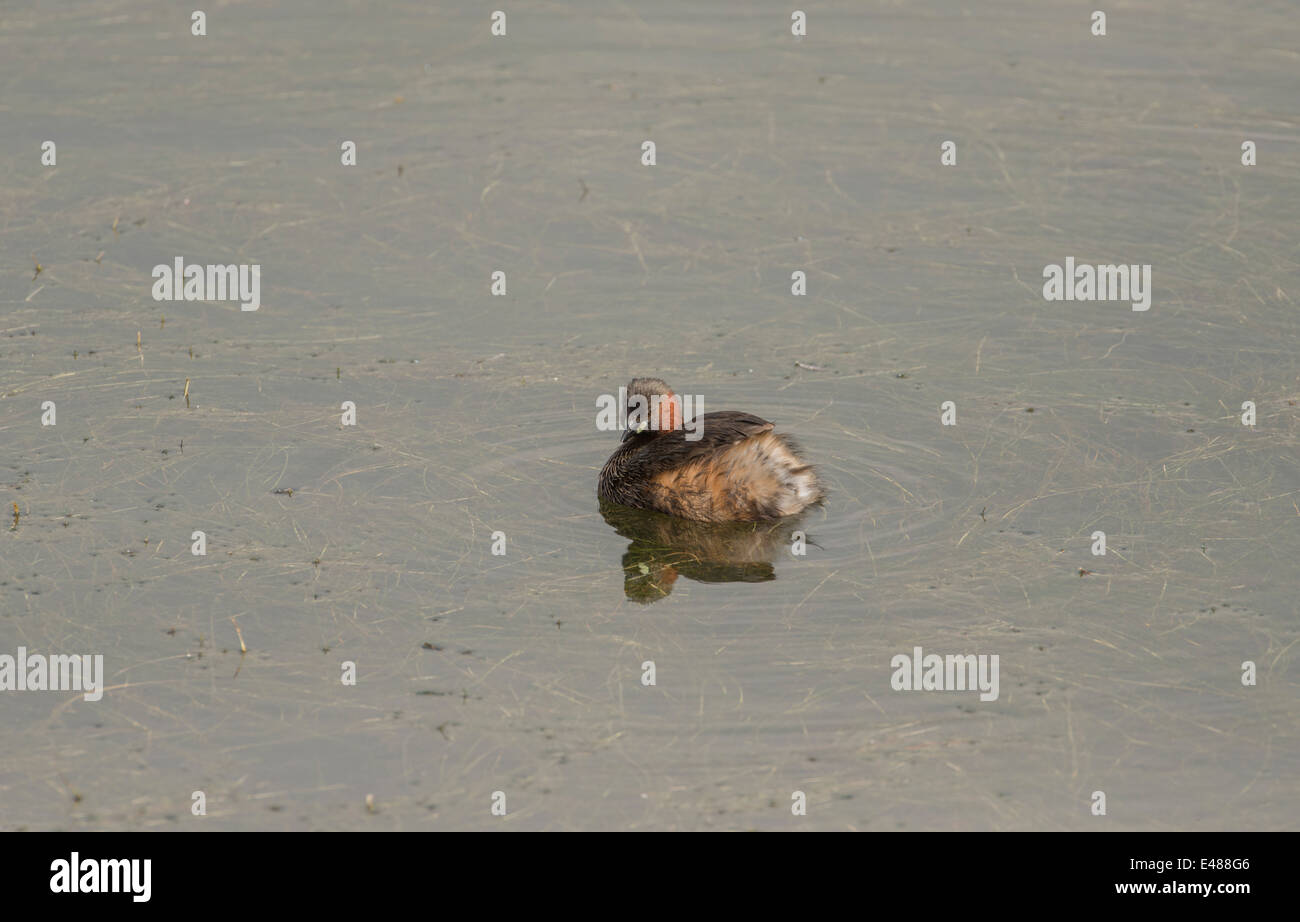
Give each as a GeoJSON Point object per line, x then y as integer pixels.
{"type": "Point", "coordinates": [476, 414]}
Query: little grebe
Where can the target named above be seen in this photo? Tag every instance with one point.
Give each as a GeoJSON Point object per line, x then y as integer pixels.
{"type": "Point", "coordinates": [738, 470]}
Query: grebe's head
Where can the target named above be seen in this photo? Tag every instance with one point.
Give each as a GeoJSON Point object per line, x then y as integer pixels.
{"type": "Point", "coordinates": [651, 407]}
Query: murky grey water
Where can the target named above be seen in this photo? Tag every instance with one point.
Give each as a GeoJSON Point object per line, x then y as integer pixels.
{"type": "Point", "coordinates": [481, 673]}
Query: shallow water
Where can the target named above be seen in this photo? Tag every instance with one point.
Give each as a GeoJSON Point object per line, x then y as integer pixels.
{"type": "Point", "coordinates": [476, 414]}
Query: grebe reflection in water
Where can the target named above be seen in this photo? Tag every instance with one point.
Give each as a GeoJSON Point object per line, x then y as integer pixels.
{"type": "Point", "coordinates": [664, 547]}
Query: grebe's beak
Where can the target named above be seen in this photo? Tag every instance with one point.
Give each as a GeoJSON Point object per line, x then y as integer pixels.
{"type": "Point", "coordinates": [629, 432]}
